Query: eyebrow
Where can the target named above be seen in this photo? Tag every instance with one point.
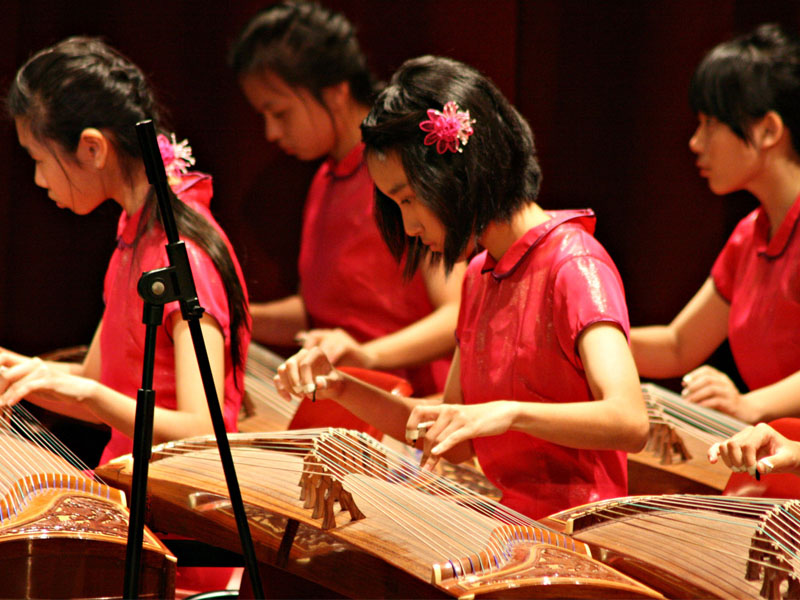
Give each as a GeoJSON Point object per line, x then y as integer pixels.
{"type": "Point", "coordinates": [396, 188]}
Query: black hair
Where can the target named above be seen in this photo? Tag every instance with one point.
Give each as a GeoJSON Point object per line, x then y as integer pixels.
{"type": "Point", "coordinates": [308, 46]}
{"type": "Point", "coordinates": [740, 80]}
{"type": "Point", "coordinates": [493, 176]}
{"type": "Point", "coordinates": [82, 82]}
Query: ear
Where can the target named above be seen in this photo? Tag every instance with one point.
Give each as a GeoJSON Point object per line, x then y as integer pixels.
{"type": "Point", "coordinates": [337, 96]}
{"type": "Point", "coordinates": [769, 131]}
{"type": "Point", "coordinates": [93, 148]}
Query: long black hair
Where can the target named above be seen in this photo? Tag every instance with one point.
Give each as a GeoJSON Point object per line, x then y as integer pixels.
{"type": "Point", "coordinates": [82, 82]}
{"type": "Point", "coordinates": [740, 80]}
{"type": "Point", "coordinates": [494, 176]}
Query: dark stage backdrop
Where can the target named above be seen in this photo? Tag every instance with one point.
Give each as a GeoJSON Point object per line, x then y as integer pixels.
{"type": "Point", "coordinates": [604, 85]}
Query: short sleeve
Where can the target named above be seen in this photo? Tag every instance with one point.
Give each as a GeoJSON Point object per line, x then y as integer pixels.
{"type": "Point", "coordinates": [587, 290]}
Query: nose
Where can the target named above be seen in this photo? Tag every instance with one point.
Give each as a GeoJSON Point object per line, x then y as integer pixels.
{"type": "Point", "coordinates": [272, 129]}
{"type": "Point", "coordinates": [695, 142]}
{"type": "Point", "coordinates": [38, 178]}
{"type": "Point", "coordinates": [411, 224]}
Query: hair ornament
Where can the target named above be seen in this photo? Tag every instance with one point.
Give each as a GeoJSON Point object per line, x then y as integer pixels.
{"type": "Point", "coordinates": [449, 128]}
{"type": "Point", "coordinates": [177, 156]}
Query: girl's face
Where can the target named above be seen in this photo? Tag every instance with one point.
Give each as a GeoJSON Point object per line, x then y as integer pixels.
{"type": "Point", "coordinates": [418, 220]}
{"type": "Point", "coordinates": [68, 183]}
{"type": "Point", "coordinates": [293, 117]}
{"type": "Point", "coordinates": [726, 160]}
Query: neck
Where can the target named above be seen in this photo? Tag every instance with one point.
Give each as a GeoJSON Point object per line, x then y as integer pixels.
{"type": "Point", "coordinates": [778, 189]}
{"type": "Point", "coordinates": [131, 194]}
{"type": "Point", "coordinates": [348, 129]}
{"type": "Point", "coordinates": [500, 236]}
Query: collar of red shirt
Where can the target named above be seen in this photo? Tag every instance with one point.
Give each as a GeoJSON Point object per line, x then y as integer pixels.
{"type": "Point", "coordinates": [348, 165]}
{"type": "Point", "coordinates": [522, 248]}
{"type": "Point", "coordinates": [773, 248]}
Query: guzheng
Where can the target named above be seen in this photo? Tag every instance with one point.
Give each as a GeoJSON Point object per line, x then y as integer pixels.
{"type": "Point", "coordinates": [689, 546]}
{"type": "Point", "coordinates": [340, 509]}
{"type": "Point", "coordinates": [63, 532]}
{"type": "Point", "coordinates": [674, 460]}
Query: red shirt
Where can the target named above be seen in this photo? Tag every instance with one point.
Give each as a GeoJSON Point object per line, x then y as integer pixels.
{"type": "Point", "coordinates": [123, 334]}
{"type": "Point", "coordinates": [348, 277]}
{"type": "Point", "coordinates": [760, 278]}
{"type": "Point", "coordinates": [518, 328]}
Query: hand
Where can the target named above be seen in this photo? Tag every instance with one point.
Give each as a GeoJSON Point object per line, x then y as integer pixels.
{"type": "Point", "coordinates": [711, 388]}
{"type": "Point", "coordinates": [310, 374]}
{"type": "Point", "coordinates": [340, 347]}
{"type": "Point", "coordinates": [443, 426]}
{"type": "Point", "coordinates": [22, 377]}
{"type": "Point", "coordinates": [758, 448]}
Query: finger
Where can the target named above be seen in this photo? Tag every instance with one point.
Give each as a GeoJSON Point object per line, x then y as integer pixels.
{"type": "Point", "coordinates": [713, 453]}
{"type": "Point", "coordinates": [420, 431]}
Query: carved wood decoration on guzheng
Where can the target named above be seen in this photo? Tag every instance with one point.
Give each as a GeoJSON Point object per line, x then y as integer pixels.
{"type": "Point", "coordinates": [696, 546]}
{"type": "Point", "coordinates": [674, 460]}
{"type": "Point", "coordinates": [62, 532]}
{"type": "Point", "coordinates": [339, 508]}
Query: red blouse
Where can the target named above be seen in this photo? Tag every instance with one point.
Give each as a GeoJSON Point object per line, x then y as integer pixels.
{"type": "Point", "coordinates": [518, 328]}
{"type": "Point", "coordinates": [123, 333]}
{"type": "Point", "coordinates": [760, 278]}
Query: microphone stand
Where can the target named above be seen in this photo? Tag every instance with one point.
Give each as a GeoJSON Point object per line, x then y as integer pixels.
{"type": "Point", "coordinates": [157, 288]}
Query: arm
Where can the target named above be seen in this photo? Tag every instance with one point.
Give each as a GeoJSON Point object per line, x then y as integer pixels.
{"type": "Point", "coordinates": [615, 420]}
{"type": "Point", "coordinates": [664, 351]}
{"type": "Point", "coordinates": [758, 448]}
{"type": "Point", "coordinates": [420, 342]}
{"type": "Point", "coordinates": [310, 372]}
{"type": "Point", "coordinates": [69, 393]}
{"type": "Point", "coordinates": [279, 321]}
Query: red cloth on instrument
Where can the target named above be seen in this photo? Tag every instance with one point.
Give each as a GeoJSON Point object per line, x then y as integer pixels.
{"type": "Point", "coordinates": [123, 333]}
{"type": "Point", "coordinates": [760, 278]}
{"type": "Point", "coordinates": [517, 332]}
{"type": "Point", "coordinates": [348, 277]}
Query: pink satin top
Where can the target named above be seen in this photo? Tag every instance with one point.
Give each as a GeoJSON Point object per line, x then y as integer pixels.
{"type": "Point", "coordinates": [518, 328]}
{"type": "Point", "coordinates": [123, 333]}
{"type": "Point", "coordinates": [760, 278]}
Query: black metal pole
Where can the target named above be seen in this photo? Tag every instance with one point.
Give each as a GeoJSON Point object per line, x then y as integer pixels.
{"type": "Point", "coordinates": [159, 287]}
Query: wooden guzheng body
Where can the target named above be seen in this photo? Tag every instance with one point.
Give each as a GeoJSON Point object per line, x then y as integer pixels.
{"type": "Point", "coordinates": [691, 546]}
{"type": "Point", "coordinates": [63, 534]}
{"type": "Point", "coordinates": [338, 508]}
{"type": "Point", "coordinates": [674, 460]}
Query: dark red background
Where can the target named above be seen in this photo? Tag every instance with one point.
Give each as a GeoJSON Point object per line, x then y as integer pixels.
{"type": "Point", "coordinates": [602, 83]}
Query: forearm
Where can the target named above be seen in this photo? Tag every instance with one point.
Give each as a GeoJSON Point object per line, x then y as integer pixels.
{"type": "Point", "coordinates": [119, 411]}
{"type": "Point", "coordinates": [430, 338]}
{"type": "Point", "coordinates": [781, 399]}
{"type": "Point", "coordinates": [656, 351]}
{"type": "Point", "coordinates": [278, 322]}
{"type": "Point", "coordinates": [598, 425]}
{"type": "Point", "coordinates": [388, 412]}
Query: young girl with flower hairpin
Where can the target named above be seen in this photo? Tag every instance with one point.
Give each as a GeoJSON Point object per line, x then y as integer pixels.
{"type": "Point", "coordinates": [543, 387]}
{"type": "Point", "coordinates": [300, 66]}
{"type": "Point", "coordinates": [75, 106]}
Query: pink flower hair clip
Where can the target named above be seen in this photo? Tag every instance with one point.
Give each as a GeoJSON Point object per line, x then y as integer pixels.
{"type": "Point", "coordinates": [449, 129]}
{"type": "Point", "coordinates": [177, 156]}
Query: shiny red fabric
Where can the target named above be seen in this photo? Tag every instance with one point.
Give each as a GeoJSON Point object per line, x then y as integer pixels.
{"type": "Point", "coordinates": [123, 334]}
{"type": "Point", "coordinates": [518, 328]}
{"type": "Point", "coordinates": [349, 279]}
{"type": "Point", "coordinates": [760, 278]}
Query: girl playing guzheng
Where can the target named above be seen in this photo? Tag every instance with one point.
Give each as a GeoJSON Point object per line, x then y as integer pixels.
{"type": "Point", "coordinates": [543, 388]}
{"type": "Point", "coordinates": [75, 106]}
{"type": "Point", "coordinates": [746, 93]}
{"type": "Point", "coordinates": [300, 66]}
